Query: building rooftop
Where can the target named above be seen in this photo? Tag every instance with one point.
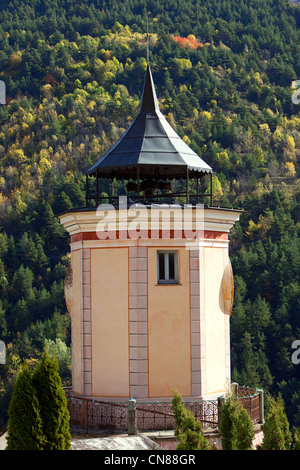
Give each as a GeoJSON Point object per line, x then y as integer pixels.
{"type": "Point", "coordinates": [150, 148]}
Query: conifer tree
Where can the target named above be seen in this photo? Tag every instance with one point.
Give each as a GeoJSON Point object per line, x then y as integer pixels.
{"type": "Point", "coordinates": [277, 435]}
{"type": "Point", "coordinates": [188, 429]}
{"type": "Point", "coordinates": [228, 424]}
{"type": "Point", "coordinates": [296, 443]}
{"type": "Point", "coordinates": [236, 427]}
{"type": "Point", "coordinates": [245, 431]}
{"type": "Point", "coordinates": [24, 421]}
{"type": "Point", "coordinates": [53, 404]}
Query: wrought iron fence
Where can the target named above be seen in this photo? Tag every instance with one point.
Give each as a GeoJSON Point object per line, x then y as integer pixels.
{"type": "Point", "coordinates": [89, 413]}
{"type": "Point", "coordinates": [252, 400]}
{"type": "Point", "coordinates": [151, 416]}
{"type": "Point", "coordinates": [160, 416]}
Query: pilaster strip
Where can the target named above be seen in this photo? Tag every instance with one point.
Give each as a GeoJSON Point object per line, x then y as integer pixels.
{"type": "Point", "coordinates": [86, 321]}
{"type": "Point", "coordinates": [195, 322]}
{"type": "Point", "coordinates": [138, 322]}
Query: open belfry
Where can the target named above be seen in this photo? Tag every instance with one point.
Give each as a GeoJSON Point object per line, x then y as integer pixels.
{"type": "Point", "coordinates": [150, 286]}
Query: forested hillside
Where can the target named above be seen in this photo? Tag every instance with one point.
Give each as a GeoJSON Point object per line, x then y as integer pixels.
{"type": "Point", "coordinates": [223, 71]}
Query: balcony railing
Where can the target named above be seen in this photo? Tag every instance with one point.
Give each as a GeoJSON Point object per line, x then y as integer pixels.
{"type": "Point", "coordinates": [89, 413]}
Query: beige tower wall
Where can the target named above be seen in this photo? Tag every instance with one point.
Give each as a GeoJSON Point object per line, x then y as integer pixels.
{"type": "Point", "coordinates": [169, 329]}
{"type": "Point", "coordinates": [109, 322]}
{"type": "Point", "coordinates": [216, 338]}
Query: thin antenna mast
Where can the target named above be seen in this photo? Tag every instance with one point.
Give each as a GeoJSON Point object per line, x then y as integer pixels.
{"type": "Point", "coordinates": [147, 40]}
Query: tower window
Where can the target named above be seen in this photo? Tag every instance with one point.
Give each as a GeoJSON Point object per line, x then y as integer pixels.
{"type": "Point", "coordinates": [167, 267]}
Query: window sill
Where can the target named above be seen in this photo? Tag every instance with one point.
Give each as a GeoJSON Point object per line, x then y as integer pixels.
{"type": "Point", "coordinates": [168, 283]}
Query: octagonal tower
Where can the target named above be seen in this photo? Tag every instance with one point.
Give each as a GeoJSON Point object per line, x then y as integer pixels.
{"type": "Point", "coordinates": [150, 287]}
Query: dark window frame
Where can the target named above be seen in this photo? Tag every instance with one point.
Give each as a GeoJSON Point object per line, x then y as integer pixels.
{"type": "Point", "coordinates": [167, 267]}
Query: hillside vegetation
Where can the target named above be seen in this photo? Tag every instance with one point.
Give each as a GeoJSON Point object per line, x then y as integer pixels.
{"type": "Point", "coordinates": [223, 71]}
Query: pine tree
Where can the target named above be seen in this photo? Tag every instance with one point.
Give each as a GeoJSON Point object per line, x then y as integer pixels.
{"type": "Point", "coordinates": [277, 435]}
{"type": "Point", "coordinates": [53, 404]}
{"type": "Point", "coordinates": [22, 282]}
{"type": "Point", "coordinates": [188, 429]}
{"type": "Point", "coordinates": [24, 421]}
{"type": "Point", "coordinates": [27, 250]}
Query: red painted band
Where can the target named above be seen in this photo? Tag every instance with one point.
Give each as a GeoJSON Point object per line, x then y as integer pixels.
{"type": "Point", "coordinates": [155, 234]}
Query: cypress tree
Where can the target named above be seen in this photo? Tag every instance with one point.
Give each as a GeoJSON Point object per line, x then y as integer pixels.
{"type": "Point", "coordinates": [296, 443]}
{"type": "Point", "coordinates": [53, 404]}
{"type": "Point", "coordinates": [236, 427]}
{"type": "Point", "coordinates": [189, 429]}
{"type": "Point", "coordinates": [245, 431]}
{"type": "Point", "coordinates": [228, 424]}
{"type": "Point", "coordinates": [24, 421]}
{"type": "Point", "coordinates": [277, 435]}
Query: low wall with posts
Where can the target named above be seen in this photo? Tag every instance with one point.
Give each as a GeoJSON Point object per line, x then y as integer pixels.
{"type": "Point", "coordinates": [130, 415]}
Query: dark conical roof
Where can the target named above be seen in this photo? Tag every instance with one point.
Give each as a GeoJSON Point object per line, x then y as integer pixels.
{"type": "Point", "coordinates": [151, 145]}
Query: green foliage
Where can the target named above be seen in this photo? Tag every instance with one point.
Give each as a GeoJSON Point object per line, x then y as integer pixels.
{"type": "Point", "coordinates": [62, 354]}
{"type": "Point", "coordinates": [53, 404]}
{"type": "Point", "coordinates": [188, 429]}
{"type": "Point", "coordinates": [245, 430]}
{"type": "Point", "coordinates": [236, 428]}
{"type": "Point", "coordinates": [277, 435]}
{"type": "Point", "coordinates": [25, 430]}
{"type": "Point", "coordinates": [38, 414]}
{"type": "Point", "coordinates": [74, 74]}
{"type": "Point", "coordinates": [296, 442]}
